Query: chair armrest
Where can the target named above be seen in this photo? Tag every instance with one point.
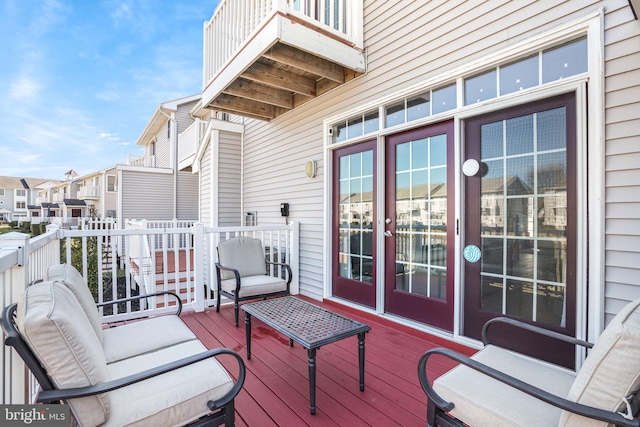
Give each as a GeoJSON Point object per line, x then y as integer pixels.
{"type": "Point", "coordinates": [102, 304]}
{"type": "Point", "coordinates": [287, 267]}
{"type": "Point", "coordinates": [559, 402]}
{"type": "Point", "coordinates": [77, 392]}
{"type": "Point", "coordinates": [235, 272]}
{"type": "Point", "coordinates": [532, 328]}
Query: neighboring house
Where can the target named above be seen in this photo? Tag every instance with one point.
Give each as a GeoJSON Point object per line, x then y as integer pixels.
{"type": "Point", "coordinates": [98, 190]}
{"type": "Point", "coordinates": [392, 96]}
{"type": "Point", "coordinates": [151, 186]}
{"type": "Point", "coordinates": [18, 196]}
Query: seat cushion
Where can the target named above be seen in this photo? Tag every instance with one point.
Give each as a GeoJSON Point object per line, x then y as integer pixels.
{"type": "Point", "coordinates": [141, 337]}
{"type": "Point", "coordinates": [68, 275]}
{"type": "Point", "coordinates": [244, 254]}
{"type": "Point", "coordinates": [56, 328]}
{"type": "Point", "coordinates": [482, 401]}
{"type": "Point", "coordinates": [612, 368]}
{"type": "Point", "coordinates": [255, 285]}
{"type": "Point", "coordinates": [171, 399]}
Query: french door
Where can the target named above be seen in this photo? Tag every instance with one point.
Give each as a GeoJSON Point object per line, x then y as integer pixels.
{"type": "Point", "coordinates": [419, 225]}
{"type": "Point", "coordinates": [354, 223]}
{"type": "Point", "coordinates": [520, 223]}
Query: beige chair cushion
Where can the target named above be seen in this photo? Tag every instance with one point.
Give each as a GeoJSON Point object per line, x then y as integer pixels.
{"type": "Point", "coordinates": [58, 331]}
{"type": "Point", "coordinates": [141, 337]}
{"type": "Point", "coordinates": [255, 285]}
{"type": "Point", "coordinates": [612, 368]}
{"type": "Point", "coordinates": [482, 401]}
{"type": "Point", "coordinates": [244, 254]}
{"type": "Point", "coordinates": [171, 399]}
{"type": "Point", "coordinates": [68, 275]}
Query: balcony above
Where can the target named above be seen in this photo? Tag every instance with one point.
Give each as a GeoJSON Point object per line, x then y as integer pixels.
{"type": "Point", "coordinates": [89, 193]}
{"type": "Point", "coordinates": [263, 58]}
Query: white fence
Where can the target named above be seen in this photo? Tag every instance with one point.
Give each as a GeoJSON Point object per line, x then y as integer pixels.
{"type": "Point", "coordinates": [152, 262]}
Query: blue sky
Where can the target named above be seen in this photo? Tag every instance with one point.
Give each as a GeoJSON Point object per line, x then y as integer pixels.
{"type": "Point", "coordinates": [80, 79]}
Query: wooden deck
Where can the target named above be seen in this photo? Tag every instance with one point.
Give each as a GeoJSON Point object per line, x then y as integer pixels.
{"type": "Point", "coordinates": [276, 390]}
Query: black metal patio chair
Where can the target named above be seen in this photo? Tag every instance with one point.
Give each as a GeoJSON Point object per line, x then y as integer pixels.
{"type": "Point", "coordinates": [242, 273]}
{"type": "Point", "coordinates": [499, 387]}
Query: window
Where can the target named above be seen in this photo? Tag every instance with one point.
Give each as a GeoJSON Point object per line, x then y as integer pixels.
{"type": "Point", "coordinates": [1, 191]}
{"type": "Point", "coordinates": [21, 205]}
{"type": "Point", "coordinates": [111, 183]}
{"type": "Point", "coordinates": [111, 213]}
{"type": "Point", "coordinates": [420, 106]}
{"type": "Point", "coordinates": [169, 129]}
{"type": "Point", "coordinates": [21, 193]}
{"type": "Point", "coordinates": [356, 126]}
{"type": "Point", "coordinates": [557, 62]}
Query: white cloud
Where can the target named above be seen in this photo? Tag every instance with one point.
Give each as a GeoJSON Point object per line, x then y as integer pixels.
{"type": "Point", "coordinates": [23, 88]}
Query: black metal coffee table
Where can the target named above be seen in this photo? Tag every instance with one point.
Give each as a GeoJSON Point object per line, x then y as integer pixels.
{"type": "Point", "coordinates": [308, 325]}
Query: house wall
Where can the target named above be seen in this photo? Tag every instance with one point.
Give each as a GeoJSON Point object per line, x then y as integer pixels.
{"type": "Point", "coordinates": [146, 195]}
{"type": "Point", "coordinates": [425, 40]}
{"type": "Point", "coordinates": [187, 196]}
{"type": "Point", "coordinates": [205, 179]}
{"type": "Point", "coordinates": [229, 175]}
{"type": "Point", "coordinates": [183, 116]}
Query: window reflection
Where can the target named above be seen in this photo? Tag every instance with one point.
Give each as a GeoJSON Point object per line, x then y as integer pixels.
{"type": "Point", "coordinates": [480, 88]}
{"type": "Point", "coordinates": [519, 75]}
{"type": "Point", "coordinates": [564, 61]}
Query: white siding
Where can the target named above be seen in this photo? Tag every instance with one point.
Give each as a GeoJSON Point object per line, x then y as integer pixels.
{"type": "Point", "coordinates": [187, 196]}
{"type": "Point", "coordinates": [146, 195]}
{"type": "Point", "coordinates": [163, 148]}
{"type": "Point", "coordinates": [229, 173]}
{"type": "Point", "coordinates": [183, 116]}
{"type": "Point", "coordinates": [410, 42]}
{"type": "Point", "coordinates": [622, 149]}
{"type": "Point", "coordinates": [205, 186]}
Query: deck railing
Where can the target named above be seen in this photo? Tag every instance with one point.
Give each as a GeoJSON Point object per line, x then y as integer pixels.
{"type": "Point", "coordinates": [235, 22]}
{"type": "Point", "coordinates": [149, 263]}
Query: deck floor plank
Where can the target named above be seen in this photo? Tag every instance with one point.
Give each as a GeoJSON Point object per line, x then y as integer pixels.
{"type": "Point", "coordinates": [276, 390]}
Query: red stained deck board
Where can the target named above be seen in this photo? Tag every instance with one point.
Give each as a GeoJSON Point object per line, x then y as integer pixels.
{"type": "Point", "coordinates": [276, 391]}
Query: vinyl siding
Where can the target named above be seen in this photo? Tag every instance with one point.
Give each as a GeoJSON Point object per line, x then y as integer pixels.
{"type": "Point", "coordinates": [146, 195]}
{"type": "Point", "coordinates": [622, 162]}
{"type": "Point", "coordinates": [229, 173]}
{"type": "Point", "coordinates": [183, 116]}
{"type": "Point", "coordinates": [163, 148]}
{"type": "Point", "coordinates": [424, 40]}
{"type": "Point", "coordinates": [205, 186]}
{"type": "Point", "coordinates": [187, 196]}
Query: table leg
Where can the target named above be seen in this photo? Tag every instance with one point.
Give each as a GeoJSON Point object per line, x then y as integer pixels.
{"type": "Point", "coordinates": [361, 358]}
{"type": "Point", "coordinates": [247, 325]}
{"type": "Point", "coordinates": [312, 379]}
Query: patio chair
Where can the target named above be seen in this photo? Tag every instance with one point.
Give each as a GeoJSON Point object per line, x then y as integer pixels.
{"type": "Point", "coordinates": [498, 387]}
{"type": "Point", "coordinates": [242, 273]}
{"type": "Point", "coordinates": [169, 384]}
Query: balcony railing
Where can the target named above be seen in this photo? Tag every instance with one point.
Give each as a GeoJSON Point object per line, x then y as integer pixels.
{"type": "Point", "coordinates": [146, 161]}
{"type": "Point", "coordinates": [89, 192]}
{"type": "Point", "coordinates": [265, 57]}
{"type": "Point", "coordinates": [189, 142]}
{"type": "Point", "coordinates": [121, 262]}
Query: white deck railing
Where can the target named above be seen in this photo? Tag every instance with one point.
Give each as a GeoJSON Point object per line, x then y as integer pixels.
{"type": "Point", "coordinates": [151, 263]}
{"type": "Point", "coordinates": [235, 22]}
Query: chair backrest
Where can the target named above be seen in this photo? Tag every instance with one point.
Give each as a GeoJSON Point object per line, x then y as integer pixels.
{"type": "Point", "coordinates": [68, 275]}
{"type": "Point", "coordinates": [59, 334]}
{"type": "Point", "coordinates": [611, 370]}
{"type": "Point", "coordinates": [244, 254]}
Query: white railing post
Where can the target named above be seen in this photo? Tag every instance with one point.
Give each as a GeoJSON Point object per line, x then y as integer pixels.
{"type": "Point", "coordinates": [198, 273]}
{"type": "Point", "coordinates": [14, 281]}
{"type": "Point", "coordinates": [294, 260]}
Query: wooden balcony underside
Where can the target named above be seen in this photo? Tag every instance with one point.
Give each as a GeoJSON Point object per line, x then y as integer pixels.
{"type": "Point", "coordinates": [285, 65]}
{"type": "Point", "coordinates": [276, 391]}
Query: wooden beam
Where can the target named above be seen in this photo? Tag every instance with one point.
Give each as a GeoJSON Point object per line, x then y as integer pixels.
{"type": "Point", "coordinates": [267, 94]}
{"type": "Point", "coordinates": [240, 113]}
{"type": "Point", "coordinates": [279, 78]}
{"type": "Point", "coordinates": [243, 106]}
{"type": "Point", "coordinates": [306, 62]}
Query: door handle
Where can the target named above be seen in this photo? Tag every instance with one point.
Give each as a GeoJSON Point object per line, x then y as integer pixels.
{"type": "Point", "coordinates": [388, 233]}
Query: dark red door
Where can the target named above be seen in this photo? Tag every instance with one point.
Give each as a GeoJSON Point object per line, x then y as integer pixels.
{"type": "Point", "coordinates": [354, 230]}
{"type": "Point", "coordinates": [419, 225]}
{"type": "Point", "coordinates": [520, 224]}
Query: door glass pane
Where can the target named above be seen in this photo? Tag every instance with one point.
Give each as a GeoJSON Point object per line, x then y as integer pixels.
{"type": "Point", "coordinates": [421, 211]}
{"type": "Point", "coordinates": [356, 214]}
{"type": "Point", "coordinates": [524, 216]}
